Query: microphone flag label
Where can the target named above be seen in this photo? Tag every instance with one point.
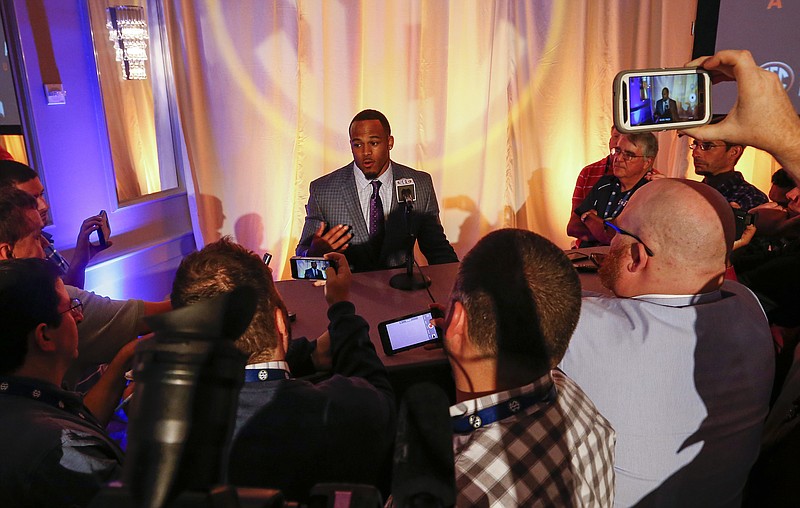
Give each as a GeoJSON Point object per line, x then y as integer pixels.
{"type": "Point", "coordinates": [406, 190]}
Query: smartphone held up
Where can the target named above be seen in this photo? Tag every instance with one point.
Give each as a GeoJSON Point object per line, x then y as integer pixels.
{"type": "Point", "coordinates": [104, 231]}
{"type": "Point", "coordinates": [312, 268]}
{"type": "Point", "coordinates": [661, 99]}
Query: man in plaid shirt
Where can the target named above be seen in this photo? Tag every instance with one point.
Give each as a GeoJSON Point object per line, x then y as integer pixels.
{"type": "Point", "coordinates": [18, 175]}
{"type": "Point", "coordinates": [524, 435]}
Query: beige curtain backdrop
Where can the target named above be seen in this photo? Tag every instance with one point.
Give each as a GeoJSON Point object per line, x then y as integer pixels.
{"type": "Point", "coordinates": [502, 102]}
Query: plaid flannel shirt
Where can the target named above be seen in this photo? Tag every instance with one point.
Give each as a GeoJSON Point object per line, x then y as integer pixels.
{"type": "Point", "coordinates": [736, 189]}
{"type": "Point", "coordinates": [54, 256]}
{"type": "Point", "coordinates": [559, 451]}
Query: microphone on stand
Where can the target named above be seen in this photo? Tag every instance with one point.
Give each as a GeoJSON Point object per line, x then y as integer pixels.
{"type": "Point", "coordinates": [406, 192]}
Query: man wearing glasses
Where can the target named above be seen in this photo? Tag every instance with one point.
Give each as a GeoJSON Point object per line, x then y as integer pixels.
{"type": "Point", "coordinates": [590, 174]}
{"type": "Point", "coordinates": [108, 324]}
{"type": "Point", "coordinates": [55, 450]}
{"type": "Point", "coordinates": [716, 160]}
{"type": "Point", "coordinates": [632, 158]}
{"type": "Point", "coordinates": [679, 362]}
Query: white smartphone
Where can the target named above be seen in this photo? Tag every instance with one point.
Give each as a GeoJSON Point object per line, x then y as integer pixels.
{"type": "Point", "coordinates": [661, 99]}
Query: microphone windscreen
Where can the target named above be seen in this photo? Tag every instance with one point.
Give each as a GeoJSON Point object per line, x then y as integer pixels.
{"type": "Point", "coordinates": [405, 190]}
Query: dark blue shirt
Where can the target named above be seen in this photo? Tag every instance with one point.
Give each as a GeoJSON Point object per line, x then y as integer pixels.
{"type": "Point", "coordinates": [735, 189]}
{"type": "Point", "coordinates": [54, 452]}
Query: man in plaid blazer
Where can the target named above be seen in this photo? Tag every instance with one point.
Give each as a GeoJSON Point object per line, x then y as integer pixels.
{"type": "Point", "coordinates": [355, 209]}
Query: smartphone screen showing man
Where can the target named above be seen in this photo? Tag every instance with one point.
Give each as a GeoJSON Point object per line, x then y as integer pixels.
{"type": "Point", "coordinates": [648, 100]}
{"type": "Point", "coordinates": [309, 268]}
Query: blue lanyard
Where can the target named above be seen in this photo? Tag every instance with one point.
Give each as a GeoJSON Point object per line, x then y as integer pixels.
{"type": "Point", "coordinates": [51, 398]}
{"type": "Point", "coordinates": [468, 423]}
{"type": "Point", "coordinates": [252, 375]}
{"type": "Point", "coordinates": [620, 204]}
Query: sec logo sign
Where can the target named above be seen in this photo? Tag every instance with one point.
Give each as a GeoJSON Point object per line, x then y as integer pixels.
{"type": "Point", "coordinates": [784, 72]}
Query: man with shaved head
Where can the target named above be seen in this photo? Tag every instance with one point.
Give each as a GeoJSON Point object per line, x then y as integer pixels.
{"type": "Point", "coordinates": [680, 362]}
{"type": "Point", "coordinates": [523, 433]}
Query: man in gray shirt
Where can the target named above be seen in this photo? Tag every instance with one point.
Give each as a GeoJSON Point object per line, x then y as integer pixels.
{"type": "Point", "coordinates": [680, 362]}
{"type": "Point", "coordinates": [108, 324]}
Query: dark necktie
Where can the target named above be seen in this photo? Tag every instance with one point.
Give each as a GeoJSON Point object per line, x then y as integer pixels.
{"type": "Point", "coordinates": [376, 225]}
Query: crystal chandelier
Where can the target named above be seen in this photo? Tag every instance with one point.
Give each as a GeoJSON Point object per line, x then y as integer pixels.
{"type": "Point", "coordinates": [127, 28]}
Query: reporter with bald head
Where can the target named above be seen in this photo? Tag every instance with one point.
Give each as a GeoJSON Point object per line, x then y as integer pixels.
{"type": "Point", "coordinates": [680, 361]}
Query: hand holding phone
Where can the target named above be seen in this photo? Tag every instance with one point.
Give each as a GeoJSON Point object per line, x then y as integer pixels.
{"type": "Point", "coordinates": [763, 115]}
{"type": "Point", "coordinates": [660, 99]}
{"type": "Point", "coordinates": [312, 268]}
{"type": "Point", "coordinates": [438, 312]}
{"type": "Point", "coordinates": [742, 219]}
{"type": "Point", "coordinates": [102, 230]}
{"type": "Point", "coordinates": [337, 287]}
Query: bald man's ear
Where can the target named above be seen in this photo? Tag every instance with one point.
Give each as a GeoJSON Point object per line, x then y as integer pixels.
{"type": "Point", "coordinates": [6, 251]}
{"type": "Point", "coordinates": [639, 258]}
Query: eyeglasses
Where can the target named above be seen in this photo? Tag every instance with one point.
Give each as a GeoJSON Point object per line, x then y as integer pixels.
{"type": "Point", "coordinates": [627, 233]}
{"type": "Point", "coordinates": [703, 146]}
{"type": "Point", "coordinates": [597, 258]}
{"type": "Point", "coordinates": [75, 308]}
{"type": "Point", "coordinates": [626, 156]}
